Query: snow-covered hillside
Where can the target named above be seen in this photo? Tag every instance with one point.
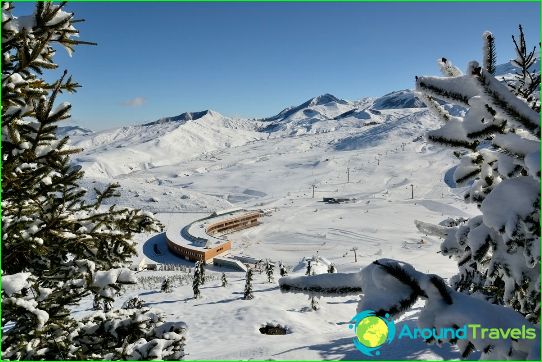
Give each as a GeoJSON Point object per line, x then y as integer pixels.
{"type": "Point", "coordinates": [123, 150]}
{"type": "Point", "coordinates": [72, 131]}
{"type": "Point", "coordinates": [371, 151]}
{"type": "Point", "coordinates": [168, 140]}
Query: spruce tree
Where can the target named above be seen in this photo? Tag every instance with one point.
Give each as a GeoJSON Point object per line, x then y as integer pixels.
{"type": "Point", "coordinates": [269, 270]}
{"type": "Point", "coordinates": [224, 280]}
{"type": "Point", "coordinates": [196, 281]}
{"type": "Point", "coordinates": [58, 247]}
{"type": "Point", "coordinates": [248, 285]}
{"type": "Point", "coordinates": [201, 267]}
{"type": "Point", "coordinates": [133, 303]}
{"type": "Point", "coordinates": [282, 270]}
{"type": "Point", "coordinates": [314, 303]}
{"type": "Point", "coordinates": [166, 286]}
{"type": "Point", "coordinates": [498, 251]}
{"type": "Point", "coordinates": [331, 268]}
{"type": "Point", "coordinates": [97, 303]}
{"type": "Point", "coordinates": [309, 268]}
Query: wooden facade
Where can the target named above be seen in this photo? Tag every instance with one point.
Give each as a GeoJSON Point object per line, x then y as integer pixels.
{"type": "Point", "coordinates": [224, 226]}
{"type": "Point", "coordinates": [199, 254]}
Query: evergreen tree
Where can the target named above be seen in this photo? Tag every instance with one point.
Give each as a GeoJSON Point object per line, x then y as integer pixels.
{"type": "Point", "coordinates": [497, 252]}
{"type": "Point", "coordinates": [248, 285]}
{"type": "Point", "coordinates": [196, 281]}
{"type": "Point", "coordinates": [314, 303]}
{"type": "Point", "coordinates": [269, 270]}
{"type": "Point", "coordinates": [57, 247]}
{"type": "Point", "coordinates": [133, 303]}
{"type": "Point", "coordinates": [224, 280]}
{"type": "Point", "coordinates": [526, 84]}
{"type": "Point", "coordinates": [309, 268]}
{"type": "Point", "coordinates": [201, 267]}
{"type": "Point", "coordinates": [282, 270]}
{"type": "Point", "coordinates": [331, 268]}
{"type": "Point", "coordinates": [166, 286]}
{"type": "Point", "coordinates": [97, 303]}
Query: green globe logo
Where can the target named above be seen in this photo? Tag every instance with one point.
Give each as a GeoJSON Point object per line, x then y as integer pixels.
{"type": "Point", "coordinates": [372, 331]}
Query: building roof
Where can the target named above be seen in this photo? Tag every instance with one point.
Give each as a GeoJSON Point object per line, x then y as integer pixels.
{"type": "Point", "coordinates": [194, 235]}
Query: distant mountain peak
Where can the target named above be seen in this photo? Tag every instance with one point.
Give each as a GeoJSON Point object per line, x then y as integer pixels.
{"type": "Point", "coordinates": [63, 131]}
{"type": "Point", "coordinates": [405, 98]}
{"type": "Point", "coordinates": [325, 99]}
{"type": "Point", "coordinates": [185, 117]}
{"type": "Point", "coordinates": [316, 101]}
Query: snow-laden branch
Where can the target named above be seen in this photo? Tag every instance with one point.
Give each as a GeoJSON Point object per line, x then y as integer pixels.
{"type": "Point", "coordinates": [323, 284]}
{"type": "Point", "coordinates": [392, 287]}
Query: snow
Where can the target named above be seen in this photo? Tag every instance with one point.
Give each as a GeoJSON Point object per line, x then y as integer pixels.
{"type": "Point", "coordinates": [14, 283]}
{"type": "Point", "coordinates": [31, 306]}
{"type": "Point", "coordinates": [59, 17]}
{"type": "Point", "coordinates": [104, 279]}
{"type": "Point", "coordinates": [347, 283]}
{"type": "Point", "coordinates": [448, 69]}
{"type": "Point", "coordinates": [516, 144]}
{"type": "Point", "coordinates": [274, 170]}
{"type": "Point", "coordinates": [399, 99]}
{"type": "Point", "coordinates": [497, 94]}
{"type": "Point", "coordinates": [460, 309]}
{"type": "Point", "coordinates": [460, 89]}
{"type": "Point", "coordinates": [121, 151]}
{"type": "Point", "coordinates": [519, 195]}
{"type": "Point", "coordinates": [532, 162]}
{"type": "Point", "coordinates": [186, 167]}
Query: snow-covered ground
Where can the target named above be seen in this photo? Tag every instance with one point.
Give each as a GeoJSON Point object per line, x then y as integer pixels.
{"type": "Point", "coordinates": [185, 167]}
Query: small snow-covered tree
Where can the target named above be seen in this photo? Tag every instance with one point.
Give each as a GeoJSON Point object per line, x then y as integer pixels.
{"type": "Point", "coordinates": [269, 270]}
{"type": "Point", "coordinates": [166, 286]}
{"type": "Point", "coordinates": [224, 280]}
{"type": "Point", "coordinates": [282, 270]}
{"type": "Point", "coordinates": [498, 252]}
{"type": "Point", "coordinates": [201, 267]}
{"type": "Point", "coordinates": [58, 247]}
{"type": "Point", "coordinates": [314, 303]}
{"type": "Point", "coordinates": [196, 281]}
{"type": "Point", "coordinates": [97, 303]}
{"type": "Point", "coordinates": [309, 268]}
{"type": "Point", "coordinates": [133, 303]}
{"type": "Point", "coordinates": [248, 285]}
{"type": "Point", "coordinates": [331, 268]}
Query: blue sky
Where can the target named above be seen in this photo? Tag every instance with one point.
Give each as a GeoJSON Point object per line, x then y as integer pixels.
{"type": "Point", "coordinates": [253, 59]}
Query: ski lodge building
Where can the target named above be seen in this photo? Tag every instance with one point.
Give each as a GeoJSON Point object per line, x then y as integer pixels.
{"type": "Point", "coordinates": [204, 239]}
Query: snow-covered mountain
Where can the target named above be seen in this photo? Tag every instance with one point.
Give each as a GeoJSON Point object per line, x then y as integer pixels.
{"type": "Point", "coordinates": [183, 117]}
{"type": "Point", "coordinates": [169, 140]}
{"type": "Point", "coordinates": [72, 131]}
{"type": "Point", "coordinates": [398, 99]}
{"type": "Point", "coordinates": [326, 105]}
{"type": "Point", "coordinates": [508, 68]}
{"type": "Point", "coordinates": [327, 113]}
